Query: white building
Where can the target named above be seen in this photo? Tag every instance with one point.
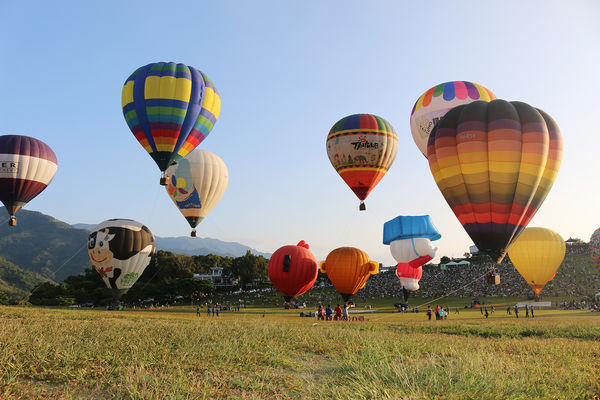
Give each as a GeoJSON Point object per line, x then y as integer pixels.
{"type": "Point", "coordinates": [216, 277]}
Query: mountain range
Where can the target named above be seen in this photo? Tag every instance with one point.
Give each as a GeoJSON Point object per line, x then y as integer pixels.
{"type": "Point", "coordinates": [43, 248]}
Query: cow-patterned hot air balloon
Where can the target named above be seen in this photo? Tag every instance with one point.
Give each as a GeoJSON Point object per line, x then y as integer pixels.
{"type": "Point", "coordinates": [293, 270]}
{"type": "Point", "coordinates": [361, 148]}
{"type": "Point", "coordinates": [494, 163]}
{"type": "Point", "coordinates": [536, 254]}
{"type": "Point", "coordinates": [348, 268]}
{"type": "Point", "coordinates": [595, 247]}
{"type": "Point", "coordinates": [196, 184]}
{"type": "Point", "coordinates": [435, 103]}
{"type": "Point", "coordinates": [170, 108]}
{"type": "Point", "coordinates": [27, 166]}
{"type": "Point", "coordinates": [120, 250]}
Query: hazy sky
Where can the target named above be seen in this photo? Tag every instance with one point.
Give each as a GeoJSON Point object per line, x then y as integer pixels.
{"type": "Point", "coordinates": [286, 72]}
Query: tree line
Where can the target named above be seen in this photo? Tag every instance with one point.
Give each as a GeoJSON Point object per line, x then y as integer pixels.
{"type": "Point", "coordinates": [168, 277]}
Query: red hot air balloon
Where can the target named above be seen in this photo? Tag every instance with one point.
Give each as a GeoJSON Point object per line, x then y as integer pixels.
{"type": "Point", "coordinates": [293, 270]}
{"type": "Point", "coordinates": [27, 166]}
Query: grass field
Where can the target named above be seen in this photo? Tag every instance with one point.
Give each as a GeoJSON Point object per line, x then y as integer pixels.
{"type": "Point", "coordinates": [173, 354]}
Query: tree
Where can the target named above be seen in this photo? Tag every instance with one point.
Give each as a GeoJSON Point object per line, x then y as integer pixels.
{"type": "Point", "coordinates": [248, 268]}
{"type": "Point", "coordinates": [3, 298]}
{"type": "Point", "coordinates": [46, 294]}
{"type": "Point", "coordinates": [444, 260]}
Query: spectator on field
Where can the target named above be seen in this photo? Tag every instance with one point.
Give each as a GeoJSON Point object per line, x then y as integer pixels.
{"type": "Point", "coordinates": [328, 312]}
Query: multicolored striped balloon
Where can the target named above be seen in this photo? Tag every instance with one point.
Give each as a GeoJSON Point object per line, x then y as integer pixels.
{"type": "Point", "coordinates": [361, 148]}
{"type": "Point", "coordinates": [27, 165]}
{"type": "Point", "coordinates": [495, 162]}
{"type": "Point", "coordinates": [170, 108]}
{"type": "Point", "coordinates": [595, 247]}
{"type": "Point", "coordinates": [434, 103]}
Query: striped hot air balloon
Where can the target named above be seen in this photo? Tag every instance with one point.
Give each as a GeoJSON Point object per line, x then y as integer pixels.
{"type": "Point", "coordinates": [361, 148]}
{"type": "Point", "coordinates": [435, 103]}
{"type": "Point", "coordinates": [495, 163]}
{"type": "Point", "coordinates": [170, 108]}
{"type": "Point", "coordinates": [27, 166]}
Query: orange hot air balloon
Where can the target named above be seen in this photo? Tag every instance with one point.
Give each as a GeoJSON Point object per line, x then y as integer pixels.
{"type": "Point", "coordinates": [348, 268]}
{"type": "Point", "coordinates": [361, 148]}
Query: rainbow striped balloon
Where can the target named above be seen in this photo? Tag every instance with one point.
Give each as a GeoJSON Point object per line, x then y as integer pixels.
{"type": "Point", "coordinates": [170, 108]}
{"type": "Point", "coordinates": [434, 103]}
{"type": "Point", "coordinates": [495, 162]}
{"type": "Point", "coordinates": [595, 247]}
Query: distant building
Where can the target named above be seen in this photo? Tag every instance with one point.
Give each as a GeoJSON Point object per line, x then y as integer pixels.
{"type": "Point", "coordinates": [216, 277]}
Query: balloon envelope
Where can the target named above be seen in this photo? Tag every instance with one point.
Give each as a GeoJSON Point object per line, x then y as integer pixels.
{"type": "Point", "coordinates": [435, 103]}
{"type": "Point", "coordinates": [537, 253]}
{"type": "Point", "coordinates": [196, 184]}
{"type": "Point", "coordinates": [293, 270]}
{"type": "Point", "coordinates": [120, 250]}
{"type": "Point", "coordinates": [170, 108]}
{"type": "Point", "coordinates": [27, 165]}
{"type": "Point", "coordinates": [494, 163]}
{"type": "Point", "coordinates": [595, 247]}
{"type": "Point", "coordinates": [409, 276]}
{"type": "Point", "coordinates": [361, 148]}
{"type": "Point", "coordinates": [348, 268]}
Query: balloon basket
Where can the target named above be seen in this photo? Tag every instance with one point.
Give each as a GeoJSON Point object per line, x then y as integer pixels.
{"type": "Point", "coordinates": [362, 206]}
{"type": "Point", "coordinates": [163, 181]}
{"type": "Point", "coordinates": [12, 221]}
{"type": "Point", "coordinates": [193, 234]}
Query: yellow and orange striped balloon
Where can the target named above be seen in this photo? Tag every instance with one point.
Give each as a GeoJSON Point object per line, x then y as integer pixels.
{"type": "Point", "coordinates": [495, 163]}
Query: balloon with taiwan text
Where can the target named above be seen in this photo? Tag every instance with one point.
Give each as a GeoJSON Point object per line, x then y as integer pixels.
{"type": "Point", "coordinates": [27, 165]}
{"type": "Point", "coordinates": [361, 148]}
{"type": "Point", "coordinates": [170, 108]}
{"type": "Point", "coordinates": [293, 270]}
{"type": "Point", "coordinates": [434, 103]}
{"type": "Point", "coordinates": [495, 163]}
{"type": "Point", "coordinates": [196, 183]}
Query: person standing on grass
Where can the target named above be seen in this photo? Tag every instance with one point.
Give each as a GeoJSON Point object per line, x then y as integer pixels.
{"type": "Point", "coordinates": [338, 313]}
{"type": "Point", "coordinates": [217, 312]}
{"type": "Point", "coordinates": [531, 309]}
{"type": "Point", "coordinates": [486, 312]}
{"type": "Point", "coordinates": [429, 312]}
{"type": "Point", "coordinates": [214, 310]}
{"type": "Point", "coordinates": [508, 310]}
{"type": "Point", "coordinates": [526, 311]}
{"type": "Point", "coordinates": [345, 312]}
{"type": "Point", "coordinates": [328, 312]}
{"type": "Point", "coordinates": [481, 310]}
{"type": "Point", "coordinates": [516, 311]}
{"type": "Point", "coordinates": [198, 311]}
{"type": "Point", "coordinates": [208, 310]}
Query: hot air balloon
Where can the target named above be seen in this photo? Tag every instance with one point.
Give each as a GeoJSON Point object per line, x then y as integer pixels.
{"type": "Point", "coordinates": [27, 166]}
{"type": "Point", "coordinates": [536, 254]}
{"type": "Point", "coordinates": [409, 278]}
{"type": "Point", "coordinates": [348, 268]}
{"type": "Point", "coordinates": [410, 239]}
{"type": "Point", "coordinates": [494, 163]}
{"type": "Point", "coordinates": [170, 108]}
{"type": "Point", "coordinates": [434, 103]}
{"type": "Point", "coordinates": [196, 184]}
{"type": "Point", "coordinates": [361, 148]}
{"type": "Point", "coordinates": [293, 270]}
{"type": "Point", "coordinates": [595, 247]}
{"type": "Point", "coordinates": [120, 250]}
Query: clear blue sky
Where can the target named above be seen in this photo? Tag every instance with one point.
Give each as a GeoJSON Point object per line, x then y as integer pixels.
{"type": "Point", "coordinates": [286, 71]}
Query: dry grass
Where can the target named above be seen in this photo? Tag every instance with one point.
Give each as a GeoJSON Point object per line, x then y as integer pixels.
{"type": "Point", "coordinates": [87, 354]}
